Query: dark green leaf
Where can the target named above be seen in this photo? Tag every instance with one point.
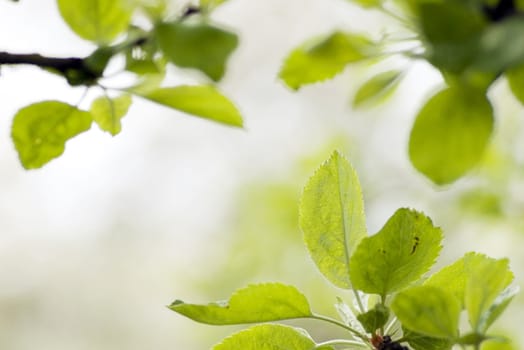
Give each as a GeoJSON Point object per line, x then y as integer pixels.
{"type": "Point", "coordinates": [451, 133]}
{"type": "Point", "coordinates": [41, 130]}
{"type": "Point", "coordinates": [399, 254]}
{"type": "Point", "coordinates": [268, 337]}
{"type": "Point", "coordinates": [419, 341]}
{"type": "Point", "coordinates": [428, 310]}
{"type": "Point", "coordinates": [332, 218]}
{"type": "Point", "coordinates": [255, 303]}
{"type": "Point", "coordinates": [203, 101]}
{"type": "Point", "coordinates": [516, 82]}
{"type": "Point", "coordinates": [197, 45]}
{"type": "Point", "coordinates": [96, 20]}
{"type": "Point", "coordinates": [374, 319]}
{"type": "Point", "coordinates": [107, 112]}
{"type": "Point", "coordinates": [321, 60]}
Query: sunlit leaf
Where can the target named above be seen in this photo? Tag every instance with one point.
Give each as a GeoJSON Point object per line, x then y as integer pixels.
{"type": "Point", "coordinates": [41, 130]}
{"type": "Point", "coordinates": [255, 303]}
{"type": "Point", "coordinates": [378, 86]}
{"type": "Point", "coordinates": [321, 60]}
{"type": "Point", "coordinates": [497, 308]}
{"type": "Point", "coordinates": [452, 278]}
{"type": "Point", "coordinates": [451, 133]}
{"type": "Point", "coordinates": [367, 3]}
{"type": "Point", "coordinates": [96, 20]}
{"type": "Point", "coordinates": [268, 337]}
{"type": "Point", "coordinates": [107, 112]}
{"type": "Point", "coordinates": [486, 279]}
{"type": "Point", "coordinates": [399, 254]}
{"type": "Point", "coordinates": [197, 45]}
{"type": "Point", "coordinates": [428, 310]}
{"type": "Point", "coordinates": [332, 218]}
{"type": "Point", "coordinates": [203, 101]}
{"type": "Point", "coordinates": [211, 4]}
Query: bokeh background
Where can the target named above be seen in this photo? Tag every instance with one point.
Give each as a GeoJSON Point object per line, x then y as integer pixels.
{"type": "Point", "coordinates": [97, 243]}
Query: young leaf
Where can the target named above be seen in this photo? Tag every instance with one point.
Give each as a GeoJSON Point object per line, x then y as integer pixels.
{"type": "Point", "coordinates": [419, 341]}
{"type": "Point", "coordinates": [498, 307]}
{"type": "Point", "coordinates": [451, 133]}
{"type": "Point", "coordinates": [452, 278]}
{"type": "Point", "coordinates": [197, 45]}
{"type": "Point", "coordinates": [379, 86]}
{"type": "Point", "coordinates": [202, 101]}
{"type": "Point", "coordinates": [332, 218]}
{"type": "Point", "coordinates": [96, 20]}
{"type": "Point", "coordinates": [41, 130]}
{"type": "Point", "coordinates": [427, 310]}
{"type": "Point", "coordinates": [399, 254]}
{"type": "Point", "coordinates": [107, 112]}
{"type": "Point", "coordinates": [255, 303]}
{"type": "Point", "coordinates": [311, 63]}
{"type": "Point", "coordinates": [268, 337]}
{"type": "Point", "coordinates": [375, 318]}
{"type": "Point", "coordinates": [486, 279]}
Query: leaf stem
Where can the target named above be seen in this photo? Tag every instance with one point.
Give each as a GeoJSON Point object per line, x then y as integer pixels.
{"type": "Point", "coordinates": [341, 342]}
{"type": "Point", "coordinates": [340, 324]}
{"type": "Point", "coordinates": [359, 301]}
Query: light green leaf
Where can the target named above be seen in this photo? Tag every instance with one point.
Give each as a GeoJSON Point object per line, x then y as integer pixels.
{"type": "Point", "coordinates": [211, 4]}
{"type": "Point", "coordinates": [255, 303]}
{"type": "Point", "coordinates": [97, 20]}
{"type": "Point", "coordinates": [268, 337]}
{"type": "Point", "coordinates": [498, 345]}
{"type": "Point", "coordinates": [202, 101]}
{"type": "Point", "coordinates": [321, 60]}
{"type": "Point", "coordinates": [368, 3]}
{"type": "Point", "coordinates": [332, 218]}
{"type": "Point", "coordinates": [380, 85]}
{"type": "Point", "coordinates": [41, 130]}
{"type": "Point", "coordinates": [197, 45]}
{"type": "Point", "coordinates": [498, 307]}
{"type": "Point", "coordinates": [107, 112]}
{"type": "Point", "coordinates": [486, 279]}
{"type": "Point", "coordinates": [515, 78]}
{"type": "Point", "coordinates": [428, 310]}
{"type": "Point", "coordinates": [375, 318]}
{"type": "Point", "coordinates": [399, 254]}
{"type": "Point", "coordinates": [452, 278]}
{"type": "Point", "coordinates": [419, 341]}
{"type": "Point", "coordinates": [451, 133]}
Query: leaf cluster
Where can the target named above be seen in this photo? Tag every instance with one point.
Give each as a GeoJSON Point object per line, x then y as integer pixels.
{"type": "Point", "coordinates": [472, 43]}
{"type": "Point", "coordinates": [395, 304]}
{"type": "Point", "coordinates": [148, 38]}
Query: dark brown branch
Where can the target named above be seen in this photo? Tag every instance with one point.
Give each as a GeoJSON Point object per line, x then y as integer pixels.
{"type": "Point", "coordinates": [73, 69]}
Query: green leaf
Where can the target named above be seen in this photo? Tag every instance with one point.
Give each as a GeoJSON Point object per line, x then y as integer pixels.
{"type": "Point", "coordinates": [451, 30]}
{"type": "Point", "coordinates": [374, 319]}
{"type": "Point", "coordinates": [452, 278]}
{"type": "Point", "coordinates": [486, 279]}
{"type": "Point", "coordinates": [41, 130]}
{"type": "Point", "coordinates": [268, 337]}
{"type": "Point", "coordinates": [515, 78]}
{"type": "Point", "coordinates": [211, 4]}
{"type": "Point", "coordinates": [107, 112]}
{"type": "Point", "coordinates": [202, 101]}
{"type": "Point", "coordinates": [451, 133]}
{"type": "Point", "coordinates": [428, 310]}
{"type": "Point", "coordinates": [419, 341]}
{"type": "Point", "coordinates": [501, 46]}
{"type": "Point", "coordinates": [380, 85]}
{"type": "Point", "coordinates": [320, 60]}
{"type": "Point", "coordinates": [498, 345]}
{"type": "Point", "coordinates": [367, 3]}
{"type": "Point", "coordinates": [96, 20]}
{"type": "Point", "coordinates": [255, 303]}
{"type": "Point", "coordinates": [197, 45]}
{"type": "Point", "coordinates": [498, 307]}
{"type": "Point", "coordinates": [332, 218]}
{"type": "Point", "coordinates": [399, 254]}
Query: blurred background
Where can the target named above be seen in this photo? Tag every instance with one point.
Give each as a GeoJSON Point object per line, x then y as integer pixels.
{"type": "Point", "coordinates": [97, 243]}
